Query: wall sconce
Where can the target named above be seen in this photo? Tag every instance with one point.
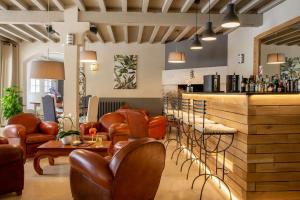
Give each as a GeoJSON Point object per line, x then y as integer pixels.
{"type": "Point", "coordinates": [94, 67]}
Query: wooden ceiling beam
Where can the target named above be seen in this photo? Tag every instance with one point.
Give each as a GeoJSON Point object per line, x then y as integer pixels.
{"type": "Point", "coordinates": [183, 33]}
{"type": "Point", "coordinates": [30, 17]}
{"type": "Point", "coordinates": [249, 6]}
{"type": "Point", "coordinates": [9, 30]}
{"type": "Point", "coordinates": [145, 6]}
{"type": "Point", "coordinates": [18, 28]}
{"type": "Point", "coordinates": [279, 36]}
{"type": "Point", "coordinates": [40, 33]}
{"type": "Point", "coordinates": [166, 6]}
{"type": "Point", "coordinates": [224, 8]}
{"type": "Point", "coordinates": [124, 5]}
{"type": "Point", "coordinates": [125, 29]}
{"type": "Point", "coordinates": [10, 37]}
{"type": "Point", "coordinates": [294, 42]}
{"type": "Point", "coordinates": [3, 6]}
{"type": "Point", "coordinates": [269, 6]}
{"type": "Point", "coordinates": [167, 34]}
{"type": "Point", "coordinates": [80, 5]}
{"type": "Point", "coordinates": [205, 8]}
{"type": "Point", "coordinates": [99, 37]}
{"type": "Point", "coordinates": [199, 31]}
{"type": "Point", "coordinates": [59, 4]}
{"type": "Point", "coordinates": [162, 19]}
{"type": "Point", "coordinates": [287, 40]}
{"type": "Point", "coordinates": [111, 34]}
{"type": "Point", "coordinates": [140, 34]}
{"type": "Point", "coordinates": [20, 4]}
{"type": "Point", "coordinates": [102, 5]}
{"type": "Point", "coordinates": [187, 5]}
{"type": "Point", "coordinates": [40, 4]}
{"type": "Point", "coordinates": [154, 33]}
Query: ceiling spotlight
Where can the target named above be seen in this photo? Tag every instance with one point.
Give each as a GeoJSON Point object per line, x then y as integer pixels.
{"type": "Point", "coordinates": [93, 29]}
{"type": "Point", "coordinates": [231, 20]}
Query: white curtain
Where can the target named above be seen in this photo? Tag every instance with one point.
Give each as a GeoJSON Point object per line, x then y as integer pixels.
{"type": "Point", "coordinates": [9, 68]}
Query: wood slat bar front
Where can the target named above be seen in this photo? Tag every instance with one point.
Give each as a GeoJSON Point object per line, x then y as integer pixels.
{"type": "Point", "coordinates": [264, 158]}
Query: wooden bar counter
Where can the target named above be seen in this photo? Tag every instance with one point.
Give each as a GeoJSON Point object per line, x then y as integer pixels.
{"type": "Point", "coordinates": [264, 159]}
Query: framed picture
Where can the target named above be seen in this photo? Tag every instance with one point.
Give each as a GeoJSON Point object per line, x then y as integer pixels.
{"type": "Point", "coordinates": [125, 71]}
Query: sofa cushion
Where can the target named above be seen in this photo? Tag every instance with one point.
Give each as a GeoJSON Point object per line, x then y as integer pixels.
{"type": "Point", "coordinates": [38, 138]}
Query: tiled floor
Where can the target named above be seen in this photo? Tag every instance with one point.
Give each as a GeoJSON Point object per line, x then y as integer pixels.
{"type": "Point", "coordinates": [54, 185]}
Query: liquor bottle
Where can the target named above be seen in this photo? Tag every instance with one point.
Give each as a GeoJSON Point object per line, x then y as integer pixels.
{"type": "Point", "coordinates": [281, 86]}
{"type": "Point", "coordinates": [251, 84]}
{"type": "Point", "coordinates": [247, 86]}
{"type": "Point", "coordinates": [275, 83]}
{"type": "Point", "coordinates": [270, 86]}
{"type": "Point", "coordinates": [243, 84]}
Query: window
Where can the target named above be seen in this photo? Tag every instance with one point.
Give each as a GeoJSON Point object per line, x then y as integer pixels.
{"type": "Point", "coordinates": [34, 85]}
{"type": "Point", "coordinates": [47, 85]}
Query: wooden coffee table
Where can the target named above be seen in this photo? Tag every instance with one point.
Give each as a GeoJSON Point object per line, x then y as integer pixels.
{"type": "Point", "coordinates": [53, 149]}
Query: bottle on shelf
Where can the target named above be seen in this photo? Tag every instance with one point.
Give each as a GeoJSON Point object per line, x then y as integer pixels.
{"type": "Point", "coordinates": [243, 84]}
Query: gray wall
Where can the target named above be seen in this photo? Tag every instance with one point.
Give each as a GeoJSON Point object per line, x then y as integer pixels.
{"type": "Point", "coordinates": [213, 54]}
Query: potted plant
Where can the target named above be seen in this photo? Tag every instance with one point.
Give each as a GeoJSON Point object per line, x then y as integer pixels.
{"type": "Point", "coordinates": [11, 102]}
{"type": "Point", "coordinates": [66, 137]}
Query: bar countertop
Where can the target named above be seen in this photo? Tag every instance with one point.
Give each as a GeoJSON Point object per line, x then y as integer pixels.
{"type": "Point", "coordinates": [243, 93]}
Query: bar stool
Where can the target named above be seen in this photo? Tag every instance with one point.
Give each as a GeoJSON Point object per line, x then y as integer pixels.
{"type": "Point", "coordinates": [171, 111]}
{"type": "Point", "coordinates": [211, 132]}
{"type": "Point", "coordinates": [184, 127]}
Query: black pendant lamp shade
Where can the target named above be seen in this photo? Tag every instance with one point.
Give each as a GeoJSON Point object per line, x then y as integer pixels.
{"type": "Point", "coordinates": [209, 34]}
{"type": "Point", "coordinates": [231, 20]}
{"type": "Point", "coordinates": [196, 44]}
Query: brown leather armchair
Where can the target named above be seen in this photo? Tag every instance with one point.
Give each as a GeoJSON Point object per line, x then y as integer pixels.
{"type": "Point", "coordinates": [11, 168]}
{"type": "Point", "coordinates": [29, 132]}
{"type": "Point", "coordinates": [133, 173]}
{"type": "Point", "coordinates": [110, 126]}
{"type": "Point", "coordinates": [142, 125]}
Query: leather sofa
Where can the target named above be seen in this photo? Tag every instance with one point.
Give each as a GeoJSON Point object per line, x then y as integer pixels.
{"type": "Point", "coordinates": [11, 168]}
{"type": "Point", "coordinates": [29, 132]}
{"type": "Point", "coordinates": [133, 173]}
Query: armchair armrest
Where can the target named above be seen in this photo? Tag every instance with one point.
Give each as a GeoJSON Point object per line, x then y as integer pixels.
{"type": "Point", "coordinates": [157, 127]}
{"type": "Point", "coordinates": [50, 128]}
{"type": "Point", "coordinates": [15, 131]}
{"type": "Point", "coordinates": [3, 140]}
{"type": "Point", "coordinates": [85, 127]}
{"type": "Point", "coordinates": [10, 153]}
{"type": "Point", "coordinates": [118, 132]}
{"type": "Point", "coordinates": [93, 166]}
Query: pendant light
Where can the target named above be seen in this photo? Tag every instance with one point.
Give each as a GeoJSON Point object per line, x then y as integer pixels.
{"type": "Point", "coordinates": [47, 69]}
{"type": "Point", "coordinates": [176, 57]}
{"type": "Point", "coordinates": [275, 58]}
{"type": "Point", "coordinates": [89, 56]}
{"type": "Point", "coordinates": [196, 44]}
{"type": "Point", "coordinates": [231, 20]}
{"type": "Point", "coordinates": [209, 34]}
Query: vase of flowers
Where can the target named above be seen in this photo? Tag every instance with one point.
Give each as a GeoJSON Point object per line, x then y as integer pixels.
{"type": "Point", "coordinates": [66, 136]}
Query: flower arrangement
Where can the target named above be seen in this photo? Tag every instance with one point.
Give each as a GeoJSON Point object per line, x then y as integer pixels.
{"type": "Point", "coordinates": [62, 133]}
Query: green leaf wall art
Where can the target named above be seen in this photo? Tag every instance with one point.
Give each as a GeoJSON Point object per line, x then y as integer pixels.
{"type": "Point", "coordinates": [125, 71]}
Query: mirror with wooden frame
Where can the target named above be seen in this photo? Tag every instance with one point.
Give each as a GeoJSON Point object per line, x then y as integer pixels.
{"type": "Point", "coordinates": [281, 42]}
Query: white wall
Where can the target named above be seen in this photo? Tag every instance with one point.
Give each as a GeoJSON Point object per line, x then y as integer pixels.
{"type": "Point", "coordinates": [27, 53]}
{"type": "Point", "coordinates": [151, 61]}
{"type": "Point", "coordinates": [100, 83]}
{"type": "Point", "coordinates": [242, 39]}
{"type": "Point", "coordinates": [172, 78]}
{"type": "Point", "coordinates": [289, 51]}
